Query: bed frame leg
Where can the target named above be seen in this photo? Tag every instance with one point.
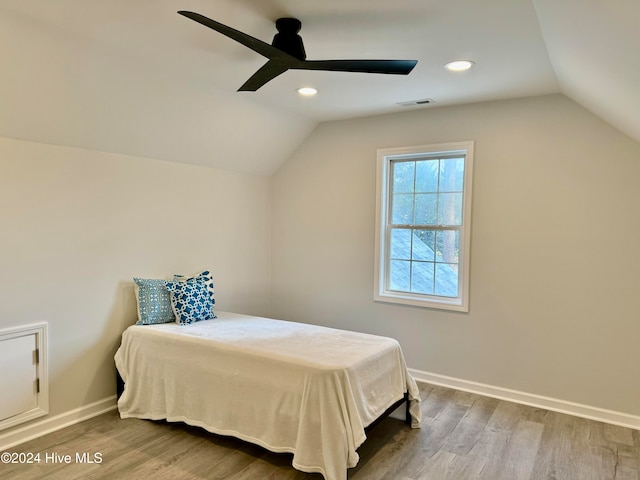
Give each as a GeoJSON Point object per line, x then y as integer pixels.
{"type": "Point", "coordinates": [407, 415]}
{"type": "Point", "coordinates": [119, 384]}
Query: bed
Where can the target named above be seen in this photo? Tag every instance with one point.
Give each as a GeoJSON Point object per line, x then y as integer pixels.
{"type": "Point", "coordinates": [290, 387]}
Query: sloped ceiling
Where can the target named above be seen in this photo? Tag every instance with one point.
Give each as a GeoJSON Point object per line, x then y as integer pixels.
{"type": "Point", "coordinates": [594, 49]}
{"type": "Point", "coordinates": [133, 77]}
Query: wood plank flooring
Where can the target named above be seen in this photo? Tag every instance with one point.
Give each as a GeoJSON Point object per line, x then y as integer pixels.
{"type": "Point", "coordinates": [463, 437]}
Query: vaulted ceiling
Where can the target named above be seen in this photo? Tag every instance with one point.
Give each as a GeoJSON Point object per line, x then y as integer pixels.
{"type": "Point", "coordinates": [133, 77]}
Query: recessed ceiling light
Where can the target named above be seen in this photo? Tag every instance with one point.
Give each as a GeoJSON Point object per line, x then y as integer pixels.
{"type": "Point", "coordinates": [307, 91]}
{"type": "Point", "coordinates": [459, 65]}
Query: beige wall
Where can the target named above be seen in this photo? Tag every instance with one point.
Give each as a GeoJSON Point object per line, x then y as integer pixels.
{"type": "Point", "coordinates": [77, 225]}
{"type": "Point", "coordinates": [554, 275]}
{"type": "Point", "coordinates": [555, 264]}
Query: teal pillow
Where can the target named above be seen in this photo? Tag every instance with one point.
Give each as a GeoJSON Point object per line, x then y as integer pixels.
{"type": "Point", "coordinates": [154, 302]}
{"type": "Point", "coordinates": [191, 301]}
{"type": "Point", "coordinates": [204, 276]}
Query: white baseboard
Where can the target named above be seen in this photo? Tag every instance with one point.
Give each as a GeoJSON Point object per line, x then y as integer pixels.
{"type": "Point", "coordinates": [51, 424]}
{"type": "Point", "coordinates": [554, 404]}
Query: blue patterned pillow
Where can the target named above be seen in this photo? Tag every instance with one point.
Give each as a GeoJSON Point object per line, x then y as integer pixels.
{"type": "Point", "coordinates": [154, 302]}
{"type": "Point", "coordinates": [191, 301]}
{"type": "Point", "coordinates": [204, 276]}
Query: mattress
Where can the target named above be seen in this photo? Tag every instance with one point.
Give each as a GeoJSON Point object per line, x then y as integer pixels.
{"type": "Point", "coordinates": [289, 387]}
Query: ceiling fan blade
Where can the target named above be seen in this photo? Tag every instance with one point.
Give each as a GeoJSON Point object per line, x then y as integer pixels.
{"type": "Point", "coordinates": [253, 43]}
{"type": "Point", "coordinates": [396, 67]}
{"type": "Point", "coordinates": [267, 72]}
{"type": "Point", "coordinates": [288, 40]}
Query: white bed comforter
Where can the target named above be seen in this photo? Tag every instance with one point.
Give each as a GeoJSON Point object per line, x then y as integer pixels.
{"type": "Point", "coordinates": [289, 387]}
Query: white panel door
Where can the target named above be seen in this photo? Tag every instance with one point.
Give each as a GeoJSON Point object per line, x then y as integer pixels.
{"type": "Point", "coordinates": [18, 375]}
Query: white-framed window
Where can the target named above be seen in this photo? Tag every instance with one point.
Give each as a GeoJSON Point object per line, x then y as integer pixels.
{"type": "Point", "coordinates": [423, 219]}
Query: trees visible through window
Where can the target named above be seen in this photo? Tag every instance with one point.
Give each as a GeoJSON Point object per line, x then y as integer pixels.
{"type": "Point", "coordinates": [422, 238]}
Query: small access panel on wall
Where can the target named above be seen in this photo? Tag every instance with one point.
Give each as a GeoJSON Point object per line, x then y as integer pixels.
{"type": "Point", "coordinates": [23, 383]}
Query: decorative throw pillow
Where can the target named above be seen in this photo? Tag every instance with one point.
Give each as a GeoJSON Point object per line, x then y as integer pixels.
{"type": "Point", "coordinates": [191, 301]}
{"type": "Point", "coordinates": [154, 302]}
{"type": "Point", "coordinates": [204, 276]}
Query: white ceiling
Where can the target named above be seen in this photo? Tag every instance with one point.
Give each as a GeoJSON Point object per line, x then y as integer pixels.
{"type": "Point", "coordinates": [134, 77]}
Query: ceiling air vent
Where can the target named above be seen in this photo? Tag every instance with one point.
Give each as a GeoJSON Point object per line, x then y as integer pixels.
{"type": "Point", "coordinates": [412, 103]}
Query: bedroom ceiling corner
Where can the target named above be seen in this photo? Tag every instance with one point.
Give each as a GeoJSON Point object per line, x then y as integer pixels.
{"type": "Point", "coordinates": [98, 86]}
{"type": "Point", "coordinates": [594, 47]}
{"type": "Point", "coordinates": [140, 79]}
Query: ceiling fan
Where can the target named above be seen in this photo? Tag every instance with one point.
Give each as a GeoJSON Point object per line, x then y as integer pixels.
{"type": "Point", "coordinates": [287, 52]}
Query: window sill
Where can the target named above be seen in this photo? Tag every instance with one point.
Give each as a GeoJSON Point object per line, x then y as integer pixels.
{"type": "Point", "coordinates": [440, 303]}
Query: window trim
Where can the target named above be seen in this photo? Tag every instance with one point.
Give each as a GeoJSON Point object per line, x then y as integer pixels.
{"type": "Point", "coordinates": [381, 293]}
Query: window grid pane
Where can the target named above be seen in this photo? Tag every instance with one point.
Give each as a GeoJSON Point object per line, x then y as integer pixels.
{"type": "Point", "coordinates": [424, 261]}
{"type": "Point", "coordinates": [423, 277]}
{"type": "Point", "coordinates": [427, 191]}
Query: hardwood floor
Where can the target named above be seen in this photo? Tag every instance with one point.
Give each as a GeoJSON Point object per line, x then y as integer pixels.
{"type": "Point", "coordinates": [463, 436]}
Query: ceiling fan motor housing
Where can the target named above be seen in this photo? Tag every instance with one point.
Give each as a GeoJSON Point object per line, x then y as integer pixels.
{"type": "Point", "coordinates": [287, 38]}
